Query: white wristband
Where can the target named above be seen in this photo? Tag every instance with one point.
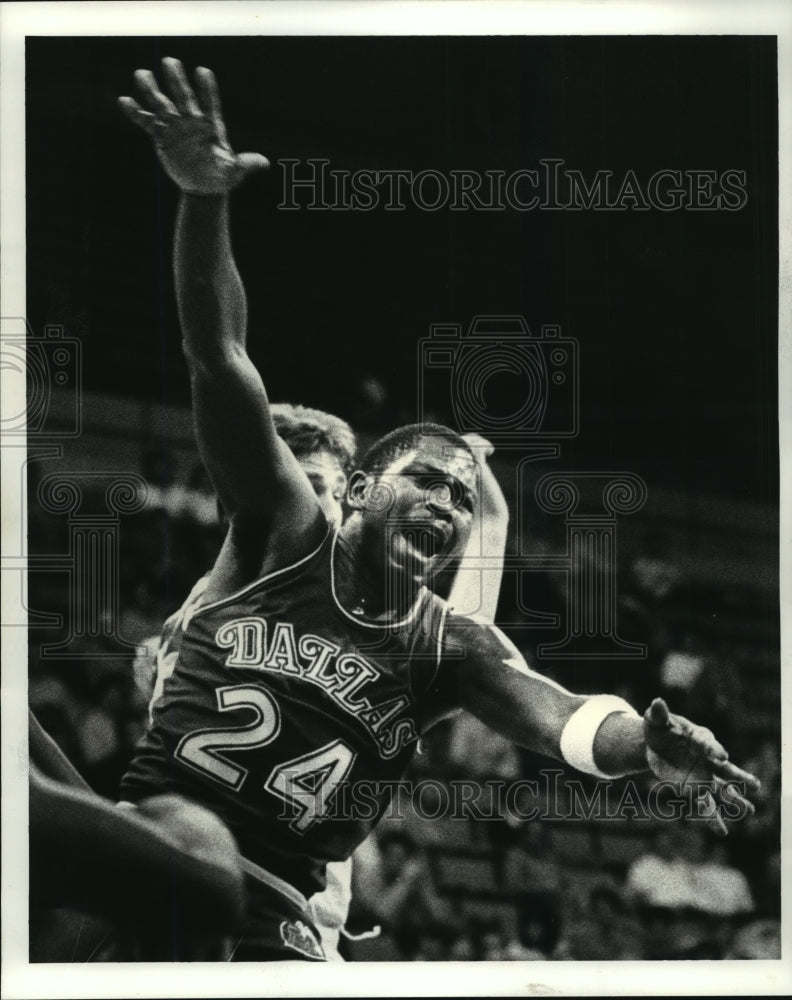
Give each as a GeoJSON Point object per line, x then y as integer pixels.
{"type": "Point", "coordinates": [577, 739]}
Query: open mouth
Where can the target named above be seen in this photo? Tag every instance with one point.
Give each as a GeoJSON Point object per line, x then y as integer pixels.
{"type": "Point", "coordinates": [425, 540]}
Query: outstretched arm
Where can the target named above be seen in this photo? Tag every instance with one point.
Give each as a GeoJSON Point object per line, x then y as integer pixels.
{"type": "Point", "coordinates": [599, 734]}
{"type": "Point", "coordinates": [255, 476]}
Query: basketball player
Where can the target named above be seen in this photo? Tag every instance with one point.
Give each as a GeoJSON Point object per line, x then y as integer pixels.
{"type": "Point", "coordinates": [325, 447]}
{"type": "Point", "coordinates": [318, 658]}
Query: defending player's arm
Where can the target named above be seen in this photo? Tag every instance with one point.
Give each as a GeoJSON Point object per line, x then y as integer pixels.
{"type": "Point", "coordinates": [600, 734]}
{"type": "Point", "coordinates": [255, 475]}
{"type": "Point", "coordinates": [476, 587]}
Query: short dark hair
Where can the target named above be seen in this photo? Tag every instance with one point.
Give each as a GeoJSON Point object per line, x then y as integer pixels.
{"type": "Point", "coordinates": [306, 431]}
{"type": "Point", "coordinates": [397, 443]}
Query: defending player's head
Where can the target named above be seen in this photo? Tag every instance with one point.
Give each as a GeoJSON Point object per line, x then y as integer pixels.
{"type": "Point", "coordinates": [414, 498]}
{"type": "Point", "coordinates": [325, 447]}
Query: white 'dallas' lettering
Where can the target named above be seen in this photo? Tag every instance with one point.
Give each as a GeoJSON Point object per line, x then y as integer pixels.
{"type": "Point", "coordinates": [320, 654]}
{"type": "Point", "coordinates": [246, 638]}
{"type": "Point", "coordinates": [317, 661]}
{"type": "Point", "coordinates": [375, 718]}
{"type": "Point", "coordinates": [355, 673]}
{"type": "Point", "coordinates": [282, 650]}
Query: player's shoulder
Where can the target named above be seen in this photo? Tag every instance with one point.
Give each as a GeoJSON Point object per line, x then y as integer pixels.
{"type": "Point", "coordinates": [249, 558]}
{"type": "Point", "coordinates": [479, 638]}
{"type": "Point", "coordinates": [180, 618]}
{"type": "Point", "coordinates": [472, 624]}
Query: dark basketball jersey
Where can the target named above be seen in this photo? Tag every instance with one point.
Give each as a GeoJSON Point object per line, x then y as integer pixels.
{"type": "Point", "coordinates": [167, 644]}
{"type": "Point", "coordinates": [288, 717]}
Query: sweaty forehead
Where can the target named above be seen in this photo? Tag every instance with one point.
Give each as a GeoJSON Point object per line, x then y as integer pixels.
{"type": "Point", "coordinates": [437, 455]}
{"type": "Point", "coordinates": [320, 462]}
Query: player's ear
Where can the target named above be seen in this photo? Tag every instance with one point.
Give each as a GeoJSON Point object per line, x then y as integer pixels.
{"type": "Point", "coordinates": [340, 486]}
{"type": "Point", "coordinates": [356, 491]}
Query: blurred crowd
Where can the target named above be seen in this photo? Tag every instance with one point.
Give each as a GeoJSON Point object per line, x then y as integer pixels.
{"type": "Point", "coordinates": [560, 888]}
{"type": "Point", "coordinates": [499, 889]}
{"type": "Point", "coordinates": [697, 907]}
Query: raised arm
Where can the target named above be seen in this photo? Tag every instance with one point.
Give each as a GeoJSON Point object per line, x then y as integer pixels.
{"type": "Point", "coordinates": [476, 587]}
{"type": "Point", "coordinates": [599, 734]}
{"type": "Point", "coordinates": [254, 474]}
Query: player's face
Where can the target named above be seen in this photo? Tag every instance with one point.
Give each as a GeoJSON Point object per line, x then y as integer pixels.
{"type": "Point", "coordinates": [423, 508]}
{"type": "Point", "coordinates": [329, 483]}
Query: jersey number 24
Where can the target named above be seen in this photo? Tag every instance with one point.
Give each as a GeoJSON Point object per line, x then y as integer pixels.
{"type": "Point", "coordinates": [308, 782]}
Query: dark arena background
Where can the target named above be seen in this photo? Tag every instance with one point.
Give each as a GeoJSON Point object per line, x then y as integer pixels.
{"type": "Point", "coordinates": [667, 315]}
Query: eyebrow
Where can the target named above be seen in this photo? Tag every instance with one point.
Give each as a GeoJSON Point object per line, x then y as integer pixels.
{"type": "Point", "coordinates": [424, 468]}
{"type": "Point", "coordinates": [419, 469]}
{"type": "Point", "coordinates": [427, 467]}
{"type": "Point", "coordinates": [431, 473]}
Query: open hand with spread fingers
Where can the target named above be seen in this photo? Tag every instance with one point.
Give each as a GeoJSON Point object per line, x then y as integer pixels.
{"type": "Point", "coordinates": [188, 131]}
{"type": "Point", "coordinates": [689, 756]}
